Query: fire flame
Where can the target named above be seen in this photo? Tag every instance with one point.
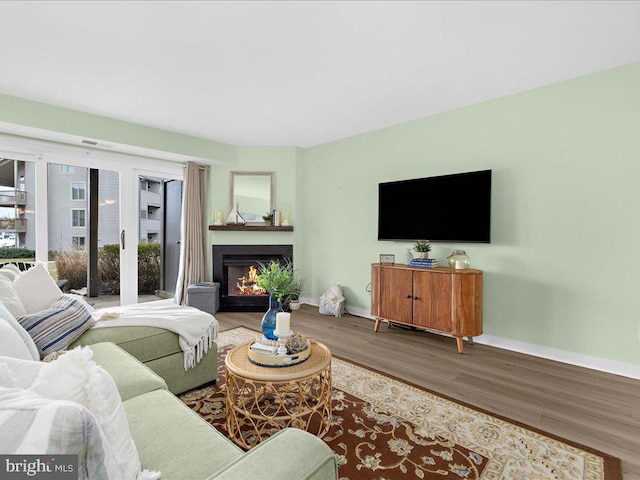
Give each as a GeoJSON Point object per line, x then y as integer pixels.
{"type": "Point", "coordinates": [249, 286]}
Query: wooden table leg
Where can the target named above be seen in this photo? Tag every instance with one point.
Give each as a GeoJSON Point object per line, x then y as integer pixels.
{"type": "Point", "coordinates": [377, 326]}
{"type": "Point", "coordinates": [459, 341]}
{"type": "Point", "coordinates": [470, 340]}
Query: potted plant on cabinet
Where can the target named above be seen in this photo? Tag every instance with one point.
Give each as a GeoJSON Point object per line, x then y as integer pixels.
{"type": "Point", "coordinates": [281, 282]}
{"type": "Point", "coordinates": [423, 248]}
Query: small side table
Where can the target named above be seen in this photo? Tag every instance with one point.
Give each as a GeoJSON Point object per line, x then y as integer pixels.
{"type": "Point", "coordinates": [261, 401]}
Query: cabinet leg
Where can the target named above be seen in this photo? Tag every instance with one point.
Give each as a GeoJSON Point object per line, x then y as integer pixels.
{"type": "Point", "coordinates": [459, 341]}
{"type": "Point", "coordinates": [470, 340]}
{"type": "Point", "coordinates": [375, 329]}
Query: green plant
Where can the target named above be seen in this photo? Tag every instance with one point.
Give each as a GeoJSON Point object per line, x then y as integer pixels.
{"type": "Point", "coordinates": [15, 252]}
{"type": "Point", "coordinates": [422, 246]}
{"type": "Point", "coordinates": [268, 217]}
{"type": "Point", "coordinates": [72, 265]}
{"type": "Point", "coordinates": [279, 280]}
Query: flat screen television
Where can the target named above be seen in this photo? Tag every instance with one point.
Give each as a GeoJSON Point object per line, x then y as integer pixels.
{"type": "Point", "coordinates": [447, 208]}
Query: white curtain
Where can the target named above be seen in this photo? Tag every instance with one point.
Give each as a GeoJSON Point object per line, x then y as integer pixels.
{"type": "Point", "coordinates": [193, 251]}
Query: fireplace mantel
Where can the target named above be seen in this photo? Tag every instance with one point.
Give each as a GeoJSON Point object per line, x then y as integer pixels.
{"type": "Point", "coordinates": [250, 228]}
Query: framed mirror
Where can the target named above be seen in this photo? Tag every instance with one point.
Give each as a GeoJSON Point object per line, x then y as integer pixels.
{"type": "Point", "coordinates": [253, 193]}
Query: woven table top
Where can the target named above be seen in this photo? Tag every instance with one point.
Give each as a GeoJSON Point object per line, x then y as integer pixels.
{"type": "Point", "coordinates": [237, 362]}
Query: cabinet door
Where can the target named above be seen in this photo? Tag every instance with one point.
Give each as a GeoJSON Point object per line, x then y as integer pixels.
{"type": "Point", "coordinates": [394, 294]}
{"type": "Point", "coordinates": [432, 301]}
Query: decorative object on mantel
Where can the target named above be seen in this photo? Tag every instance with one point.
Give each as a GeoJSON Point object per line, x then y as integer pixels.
{"type": "Point", "coordinates": [217, 218]}
{"type": "Point", "coordinates": [423, 248]}
{"type": "Point", "coordinates": [250, 227]}
{"type": "Point", "coordinates": [268, 218]}
{"type": "Point", "coordinates": [234, 217]}
{"type": "Point", "coordinates": [459, 260]}
{"type": "Point", "coordinates": [285, 219]}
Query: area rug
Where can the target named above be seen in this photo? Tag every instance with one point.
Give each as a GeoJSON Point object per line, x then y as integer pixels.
{"type": "Point", "coordinates": [383, 428]}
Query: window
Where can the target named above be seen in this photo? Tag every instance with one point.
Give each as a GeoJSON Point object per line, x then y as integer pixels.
{"type": "Point", "coordinates": [143, 214]}
{"type": "Point", "coordinates": [67, 169]}
{"type": "Point", "coordinates": [78, 191]}
{"type": "Point", "coordinates": [78, 217]}
{"type": "Point", "coordinates": [78, 243]}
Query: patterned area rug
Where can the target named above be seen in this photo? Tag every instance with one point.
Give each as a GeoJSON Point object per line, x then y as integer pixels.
{"type": "Point", "coordinates": [383, 428]}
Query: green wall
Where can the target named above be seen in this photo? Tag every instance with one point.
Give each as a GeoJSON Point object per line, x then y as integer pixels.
{"type": "Point", "coordinates": [33, 114]}
{"type": "Point", "coordinates": [562, 268]}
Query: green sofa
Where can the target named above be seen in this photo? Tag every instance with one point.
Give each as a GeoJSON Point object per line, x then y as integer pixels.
{"type": "Point", "coordinates": [174, 440]}
{"type": "Point", "coordinates": [159, 350]}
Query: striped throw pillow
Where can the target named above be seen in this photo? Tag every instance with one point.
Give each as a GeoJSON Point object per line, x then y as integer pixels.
{"type": "Point", "coordinates": [55, 328]}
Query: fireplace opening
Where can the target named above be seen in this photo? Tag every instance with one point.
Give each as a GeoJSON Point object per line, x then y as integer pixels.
{"type": "Point", "coordinates": [236, 268]}
{"type": "Point", "coordinates": [246, 281]}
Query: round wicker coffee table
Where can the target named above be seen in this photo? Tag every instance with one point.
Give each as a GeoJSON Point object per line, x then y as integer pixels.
{"type": "Point", "coordinates": [261, 401]}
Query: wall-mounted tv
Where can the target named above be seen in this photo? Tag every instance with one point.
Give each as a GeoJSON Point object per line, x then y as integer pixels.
{"type": "Point", "coordinates": [447, 208]}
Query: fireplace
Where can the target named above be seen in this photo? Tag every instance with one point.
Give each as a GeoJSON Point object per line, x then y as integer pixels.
{"type": "Point", "coordinates": [235, 267]}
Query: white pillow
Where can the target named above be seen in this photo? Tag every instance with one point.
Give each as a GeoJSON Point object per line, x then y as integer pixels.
{"type": "Point", "coordinates": [37, 289]}
{"type": "Point", "coordinates": [19, 373]}
{"type": "Point", "coordinates": [11, 344]}
{"type": "Point", "coordinates": [10, 271]}
{"type": "Point", "coordinates": [9, 297]}
{"type": "Point", "coordinates": [74, 376]}
{"type": "Point", "coordinates": [5, 316]}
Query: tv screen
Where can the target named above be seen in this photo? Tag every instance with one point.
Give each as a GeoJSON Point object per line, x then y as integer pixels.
{"type": "Point", "coordinates": [448, 208]}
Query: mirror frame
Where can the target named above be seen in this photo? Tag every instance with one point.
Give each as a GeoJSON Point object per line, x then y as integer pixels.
{"type": "Point", "coordinates": [271, 176]}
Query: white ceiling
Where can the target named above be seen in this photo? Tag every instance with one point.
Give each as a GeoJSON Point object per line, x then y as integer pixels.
{"type": "Point", "coordinates": [300, 73]}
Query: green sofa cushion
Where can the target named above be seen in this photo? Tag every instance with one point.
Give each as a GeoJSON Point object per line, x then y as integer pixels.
{"type": "Point", "coordinates": [132, 377]}
{"type": "Point", "coordinates": [174, 440]}
{"type": "Point", "coordinates": [307, 457]}
{"type": "Point", "coordinates": [144, 343]}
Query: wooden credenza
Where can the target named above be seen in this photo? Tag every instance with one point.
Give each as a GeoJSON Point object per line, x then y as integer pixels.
{"type": "Point", "coordinates": [437, 299]}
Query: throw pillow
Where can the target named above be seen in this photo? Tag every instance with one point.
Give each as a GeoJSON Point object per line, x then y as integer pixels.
{"type": "Point", "coordinates": [9, 297]}
{"type": "Point", "coordinates": [37, 289]}
{"type": "Point", "coordinates": [32, 424]}
{"type": "Point", "coordinates": [74, 376]}
{"type": "Point", "coordinates": [19, 373]}
{"type": "Point", "coordinates": [26, 340]}
{"type": "Point", "coordinates": [10, 271]}
{"type": "Point", "coordinates": [11, 343]}
{"type": "Point", "coordinates": [56, 327]}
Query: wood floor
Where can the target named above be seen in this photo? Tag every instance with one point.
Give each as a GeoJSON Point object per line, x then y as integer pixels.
{"type": "Point", "coordinates": [596, 409]}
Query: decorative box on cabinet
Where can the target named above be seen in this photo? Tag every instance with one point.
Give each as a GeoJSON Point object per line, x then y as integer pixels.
{"type": "Point", "coordinates": [437, 299]}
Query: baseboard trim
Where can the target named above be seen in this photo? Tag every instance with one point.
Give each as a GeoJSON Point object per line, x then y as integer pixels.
{"type": "Point", "coordinates": [571, 358]}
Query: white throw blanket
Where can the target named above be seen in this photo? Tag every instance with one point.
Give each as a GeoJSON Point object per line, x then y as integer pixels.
{"type": "Point", "coordinates": [197, 330]}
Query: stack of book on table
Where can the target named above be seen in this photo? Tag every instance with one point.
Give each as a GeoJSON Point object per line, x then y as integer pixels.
{"type": "Point", "coordinates": [263, 349]}
{"type": "Point", "coordinates": [424, 262]}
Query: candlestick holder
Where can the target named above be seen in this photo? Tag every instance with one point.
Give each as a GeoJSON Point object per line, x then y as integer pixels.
{"type": "Point", "coordinates": [283, 338]}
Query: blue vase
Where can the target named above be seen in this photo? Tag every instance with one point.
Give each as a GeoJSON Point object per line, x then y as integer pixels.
{"type": "Point", "coordinates": [268, 324]}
